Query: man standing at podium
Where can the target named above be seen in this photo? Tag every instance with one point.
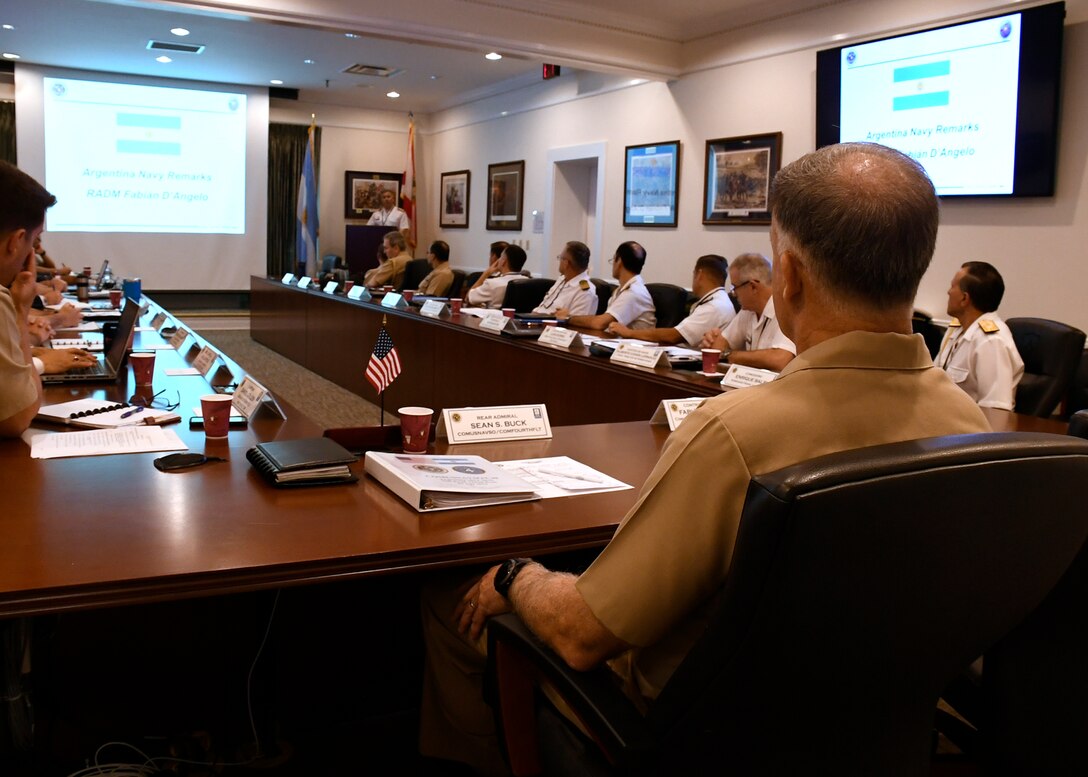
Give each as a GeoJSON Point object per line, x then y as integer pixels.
{"type": "Point", "coordinates": [389, 215]}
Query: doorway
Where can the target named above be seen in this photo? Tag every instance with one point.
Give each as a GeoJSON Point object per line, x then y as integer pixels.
{"type": "Point", "coordinates": [576, 200]}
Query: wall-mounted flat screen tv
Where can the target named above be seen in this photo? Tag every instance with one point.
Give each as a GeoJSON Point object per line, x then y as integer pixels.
{"type": "Point", "coordinates": [975, 103]}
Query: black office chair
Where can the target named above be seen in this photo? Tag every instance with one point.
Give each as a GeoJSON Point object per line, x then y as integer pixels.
{"type": "Point", "coordinates": [414, 273]}
{"type": "Point", "coordinates": [470, 281]}
{"type": "Point", "coordinates": [858, 589]}
{"type": "Point", "coordinates": [670, 303]}
{"type": "Point", "coordinates": [1078, 424]}
{"type": "Point", "coordinates": [1051, 352]}
{"type": "Point", "coordinates": [330, 262]}
{"type": "Point", "coordinates": [922, 324]}
{"type": "Point", "coordinates": [524, 294]}
{"type": "Point", "coordinates": [1078, 393]}
{"type": "Point", "coordinates": [604, 293]}
{"type": "Point", "coordinates": [458, 284]}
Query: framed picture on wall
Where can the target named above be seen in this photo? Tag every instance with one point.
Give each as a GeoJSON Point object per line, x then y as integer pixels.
{"type": "Point", "coordinates": [505, 195]}
{"type": "Point", "coordinates": [651, 174]}
{"type": "Point", "coordinates": [737, 183]}
{"type": "Point", "coordinates": [363, 192]}
{"type": "Point", "coordinates": [453, 193]}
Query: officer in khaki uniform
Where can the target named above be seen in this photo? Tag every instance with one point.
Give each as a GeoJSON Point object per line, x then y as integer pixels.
{"type": "Point", "coordinates": [391, 270]}
{"type": "Point", "coordinates": [643, 602]}
{"type": "Point", "coordinates": [574, 292]}
{"type": "Point", "coordinates": [978, 351]}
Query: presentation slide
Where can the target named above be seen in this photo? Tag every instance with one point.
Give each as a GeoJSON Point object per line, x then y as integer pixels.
{"type": "Point", "coordinates": [945, 97]}
{"type": "Point", "coordinates": [130, 158]}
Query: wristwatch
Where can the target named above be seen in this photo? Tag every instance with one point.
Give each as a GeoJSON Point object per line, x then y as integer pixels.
{"type": "Point", "coordinates": [504, 578]}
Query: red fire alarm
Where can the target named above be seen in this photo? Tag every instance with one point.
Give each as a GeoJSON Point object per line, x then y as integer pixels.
{"type": "Point", "coordinates": [551, 71]}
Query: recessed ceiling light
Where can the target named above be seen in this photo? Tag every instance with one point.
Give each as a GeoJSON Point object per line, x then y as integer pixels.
{"type": "Point", "coordinates": [307, 61]}
{"type": "Point", "coordinates": [164, 59]}
{"type": "Point", "coordinates": [839, 36]}
{"type": "Point", "coordinates": [275, 82]}
{"type": "Point", "coordinates": [637, 81]}
{"type": "Point", "coordinates": [435, 78]}
{"type": "Point", "coordinates": [494, 56]}
{"type": "Point", "coordinates": [181, 32]}
{"type": "Point", "coordinates": [9, 55]}
{"type": "Point", "coordinates": [9, 26]}
{"type": "Point", "coordinates": [350, 35]}
{"type": "Point", "coordinates": [503, 113]}
{"type": "Point", "coordinates": [393, 95]}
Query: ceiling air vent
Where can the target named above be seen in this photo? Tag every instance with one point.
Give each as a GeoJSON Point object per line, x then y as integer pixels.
{"type": "Point", "coordinates": [179, 48]}
{"type": "Point", "coordinates": [373, 70]}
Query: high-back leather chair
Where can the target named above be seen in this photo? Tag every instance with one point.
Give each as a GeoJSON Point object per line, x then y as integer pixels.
{"type": "Point", "coordinates": [1051, 352]}
{"type": "Point", "coordinates": [922, 324]}
{"type": "Point", "coordinates": [1078, 424]}
{"type": "Point", "coordinates": [456, 288]}
{"type": "Point", "coordinates": [670, 303]}
{"type": "Point", "coordinates": [861, 583]}
{"type": "Point", "coordinates": [470, 281]}
{"type": "Point", "coordinates": [414, 273]}
{"type": "Point", "coordinates": [604, 293]}
{"type": "Point", "coordinates": [1078, 392]}
{"type": "Point", "coordinates": [524, 294]}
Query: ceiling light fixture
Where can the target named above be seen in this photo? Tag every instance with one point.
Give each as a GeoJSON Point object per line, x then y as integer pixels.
{"type": "Point", "coordinates": [504, 113]}
{"type": "Point", "coordinates": [307, 61]}
{"type": "Point", "coordinates": [350, 35]}
{"type": "Point", "coordinates": [9, 26]}
{"type": "Point", "coordinates": [392, 95]}
{"type": "Point", "coordinates": [276, 82]}
{"type": "Point", "coordinates": [181, 32]}
{"type": "Point", "coordinates": [637, 81]}
{"type": "Point", "coordinates": [494, 56]}
{"type": "Point", "coordinates": [164, 59]}
{"type": "Point", "coordinates": [435, 78]}
{"type": "Point", "coordinates": [9, 55]}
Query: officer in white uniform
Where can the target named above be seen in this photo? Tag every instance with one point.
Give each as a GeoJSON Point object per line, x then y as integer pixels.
{"type": "Point", "coordinates": [978, 351]}
{"type": "Point", "coordinates": [574, 292]}
{"type": "Point", "coordinates": [712, 309]}
{"type": "Point", "coordinates": [631, 303]}
{"type": "Point", "coordinates": [390, 215]}
{"type": "Point", "coordinates": [490, 287]}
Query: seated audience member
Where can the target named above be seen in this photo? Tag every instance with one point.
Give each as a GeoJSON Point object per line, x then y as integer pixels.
{"type": "Point", "coordinates": [23, 203]}
{"type": "Point", "coordinates": [490, 287]}
{"type": "Point", "coordinates": [754, 338]}
{"type": "Point", "coordinates": [440, 278]}
{"type": "Point", "coordinates": [630, 304]}
{"type": "Point", "coordinates": [390, 271]}
{"type": "Point", "coordinates": [57, 360]}
{"type": "Point", "coordinates": [978, 351]}
{"type": "Point", "coordinates": [713, 308]}
{"type": "Point", "coordinates": [853, 229]}
{"type": "Point", "coordinates": [68, 315]}
{"type": "Point", "coordinates": [46, 265]}
{"type": "Point", "coordinates": [574, 292]}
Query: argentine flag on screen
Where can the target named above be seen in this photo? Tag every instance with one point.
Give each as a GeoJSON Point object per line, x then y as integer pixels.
{"type": "Point", "coordinates": [306, 211]}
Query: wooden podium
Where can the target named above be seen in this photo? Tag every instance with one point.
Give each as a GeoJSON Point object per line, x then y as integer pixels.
{"type": "Point", "coordinates": [361, 244]}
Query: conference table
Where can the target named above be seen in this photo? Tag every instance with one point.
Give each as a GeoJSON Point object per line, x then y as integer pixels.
{"type": "Point", "coordinates": [452, 362]}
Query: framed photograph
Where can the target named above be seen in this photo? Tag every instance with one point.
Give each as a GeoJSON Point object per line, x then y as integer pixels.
{"type": "Point", "coordinates": [651, 174]}
{"type": "Point", "coordinates": [737, 186]}
{"type": "Point", "coordinates": [363, 192]}
{"type": "Point", "coordinates": [454, 192]}
{"type": "Point", "coordinates": [505, 195]}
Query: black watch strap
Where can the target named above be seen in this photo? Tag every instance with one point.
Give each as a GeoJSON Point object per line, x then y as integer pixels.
{"type": "Point", "coordinates": [509, 570]}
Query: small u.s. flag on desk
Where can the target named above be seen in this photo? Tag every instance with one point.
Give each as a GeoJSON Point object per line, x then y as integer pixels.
{"type": "Point", "coordinates": [384, 365]}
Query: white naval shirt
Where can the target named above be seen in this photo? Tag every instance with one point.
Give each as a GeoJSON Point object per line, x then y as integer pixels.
{"type": "Point", "coordinates": [713, 311]}
{"type": "Point", "coordinates": [578, 295]}
{"type": "Point", "coordinates": [987, 366]}
{"type": "Point", "coordinates": [394, 219]}
{"type": "Point", "coordinates": [751, 331]}
{"type": "Point", "coordinates": [632, 305]}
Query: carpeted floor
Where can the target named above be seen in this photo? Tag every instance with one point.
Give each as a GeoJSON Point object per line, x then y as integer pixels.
{"type": "Point", "coordinates": [326, 404]}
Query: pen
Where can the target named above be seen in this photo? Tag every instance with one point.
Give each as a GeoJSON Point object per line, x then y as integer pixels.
{"type": "Point", "coordinates": [132, 412]}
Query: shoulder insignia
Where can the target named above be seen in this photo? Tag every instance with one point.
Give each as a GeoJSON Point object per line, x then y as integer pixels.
{"type": "Point", "coordinates": [954, 322]}
{"type": "Point", "coordinates": [988, 326]}
{"type": "Point", "coordinates": [583, 285]}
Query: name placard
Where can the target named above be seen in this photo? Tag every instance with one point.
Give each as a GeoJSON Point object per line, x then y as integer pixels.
{"type": "Point", "coordinates": [250, 396]}
{"type": "Point", "coordinates": [433, 308]}
{"type": "Point", "coordinates": [394, 300]}
{"type": "Point", "coordinates": [359, 292]}
{"type": "Point", "coordinates": [158, 321]}
{"type": "Point", "coordinates": [304, 282]}
{"type": "Point", "coordinates": [639, 356]}
{"type": "Point", "coordinates": [560, 337]}
{"type": "Point", "coordinates": [738, 376]}
{"type": "Point", "coordinates": [494, 321]}
{"type": "Point", "coordinates": [494, 424]}
{"type": "Point", "coordinates": [673, 411]}
{"type": "Point", "coordinates": [179, 338]}
{"type": "Point", "coordinates": [330, 287]}
{"type": "Point", "coordinates": [288, 279]}
{"type": "Point", "coordinates": [204, 360]}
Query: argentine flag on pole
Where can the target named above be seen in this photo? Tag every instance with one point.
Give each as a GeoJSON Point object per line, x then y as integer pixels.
{"type": "Point", "coordinates": [306, 211]}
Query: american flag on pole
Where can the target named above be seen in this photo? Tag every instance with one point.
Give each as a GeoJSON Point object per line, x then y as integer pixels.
{"type": "Point", "coordinates": [384, 365]}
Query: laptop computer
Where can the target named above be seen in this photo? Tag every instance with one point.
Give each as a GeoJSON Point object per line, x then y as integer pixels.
{"type": "Point", "coordinates": [109, 367]}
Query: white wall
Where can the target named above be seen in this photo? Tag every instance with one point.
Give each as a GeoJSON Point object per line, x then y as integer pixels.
{"type": "Point", "coordinates": [1039, 244]}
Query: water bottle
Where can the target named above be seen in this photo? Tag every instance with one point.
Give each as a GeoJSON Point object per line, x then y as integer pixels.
{"type": "Point", "coordinates": [83, 286]}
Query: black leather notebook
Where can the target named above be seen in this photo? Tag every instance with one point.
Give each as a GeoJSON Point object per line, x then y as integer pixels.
{"type": "Point", "coordinates": [307, 462]}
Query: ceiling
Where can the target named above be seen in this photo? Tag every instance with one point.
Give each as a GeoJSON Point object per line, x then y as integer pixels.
{"type": "Point", "coordinates": [256, 43]}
